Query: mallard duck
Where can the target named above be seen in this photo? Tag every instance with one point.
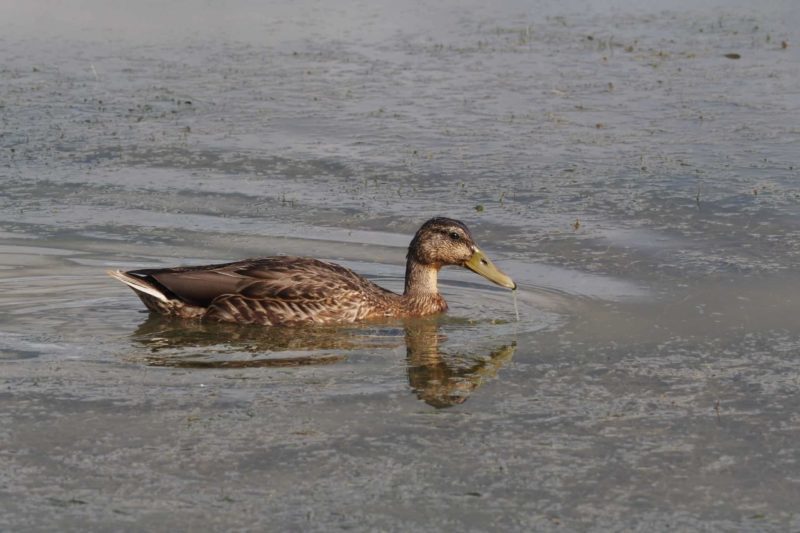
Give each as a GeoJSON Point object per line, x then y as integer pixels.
{"type": "Point", "coordinates": [292, 291]}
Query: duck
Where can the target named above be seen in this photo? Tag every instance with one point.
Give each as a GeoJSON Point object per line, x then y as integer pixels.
{"type": "Point", "coordinates": [299, 291]}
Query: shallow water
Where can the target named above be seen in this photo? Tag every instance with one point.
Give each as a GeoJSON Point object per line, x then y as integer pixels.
{"type": "Point", "coordinates": [639, 186]}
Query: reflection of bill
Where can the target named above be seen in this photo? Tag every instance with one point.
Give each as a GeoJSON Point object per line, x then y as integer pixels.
{"type": "Point", "coordinates": [441, 379]}
{"type": "Point", "coordinates": [437, 377]}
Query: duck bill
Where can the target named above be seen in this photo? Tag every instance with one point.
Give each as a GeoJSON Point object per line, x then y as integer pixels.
{"type": "Point", "coordinates": [480, 264]}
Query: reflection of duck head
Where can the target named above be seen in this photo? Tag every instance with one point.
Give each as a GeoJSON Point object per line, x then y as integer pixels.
{"type": "Point", "coordinates": [441, 379]}
{"type": "Point", "coordinates": [438, 378]}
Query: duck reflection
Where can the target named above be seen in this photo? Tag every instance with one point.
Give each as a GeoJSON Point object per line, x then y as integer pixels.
{"type": "Point", "coordinates": [179, 343]}
{"type": "Point", "coordinates": [441, 378]}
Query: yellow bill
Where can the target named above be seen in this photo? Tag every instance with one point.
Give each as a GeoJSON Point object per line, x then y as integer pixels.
{"type": "Point", "coordinates": [480, 264]}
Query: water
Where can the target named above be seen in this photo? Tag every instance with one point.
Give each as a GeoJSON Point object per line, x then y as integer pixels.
{"type": "Point", "coordinates": [639, 186]}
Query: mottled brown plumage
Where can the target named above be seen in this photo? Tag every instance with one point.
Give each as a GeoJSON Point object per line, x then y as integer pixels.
{"type": "Point", "coordinates": [291, 291]}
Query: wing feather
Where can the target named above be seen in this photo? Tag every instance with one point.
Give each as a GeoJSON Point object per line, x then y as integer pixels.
{"type": "Point", "coordinates": [271, 290]}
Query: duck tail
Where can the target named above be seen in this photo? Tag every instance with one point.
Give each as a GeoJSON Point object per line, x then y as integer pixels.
{"type": "Point", "coordinates": [138, 284]}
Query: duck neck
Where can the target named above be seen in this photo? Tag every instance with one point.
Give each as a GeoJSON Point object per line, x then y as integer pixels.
{"type": "Point", "coordinates": [421, 280]}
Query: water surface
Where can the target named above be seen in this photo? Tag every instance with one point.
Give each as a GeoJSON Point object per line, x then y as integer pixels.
{"type": "Point", "coordinates": [639, 185]}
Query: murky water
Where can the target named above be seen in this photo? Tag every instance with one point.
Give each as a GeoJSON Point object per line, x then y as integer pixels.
{"type": "Point", "coordinates": [639, 185]}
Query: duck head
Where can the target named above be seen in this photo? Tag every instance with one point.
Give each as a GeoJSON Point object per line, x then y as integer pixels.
{"type": "Point", "coordinates": [446, 241]}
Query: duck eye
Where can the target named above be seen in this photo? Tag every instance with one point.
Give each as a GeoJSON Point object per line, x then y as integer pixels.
{"type": "Point", "coordinates": [455, 236]}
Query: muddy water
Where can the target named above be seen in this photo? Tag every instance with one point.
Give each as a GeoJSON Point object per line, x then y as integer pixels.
{"type": "Point", "coordinates": [639, 185]}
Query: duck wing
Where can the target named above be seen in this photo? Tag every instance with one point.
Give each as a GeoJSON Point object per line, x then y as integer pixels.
{"type": "Point", "coordinates": [270, 290]}
{"type": "Point", "coordinates": [196, 286]}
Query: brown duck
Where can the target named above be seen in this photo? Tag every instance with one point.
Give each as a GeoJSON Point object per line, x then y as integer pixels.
{"type": "Point", "coordinates": [292, 291]}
